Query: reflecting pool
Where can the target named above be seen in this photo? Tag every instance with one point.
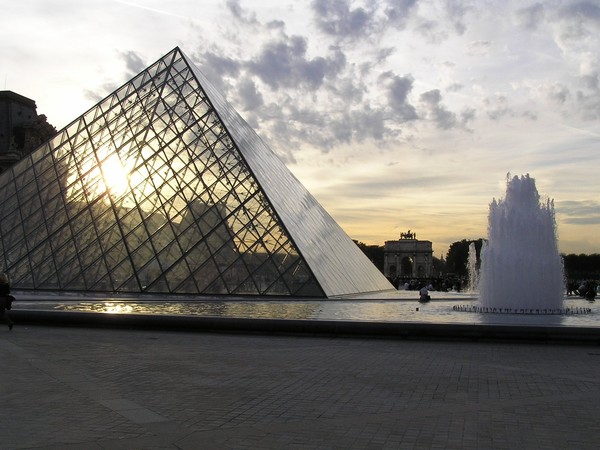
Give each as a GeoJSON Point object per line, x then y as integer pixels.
{"type": "Point", "coordinates": [398, 306]}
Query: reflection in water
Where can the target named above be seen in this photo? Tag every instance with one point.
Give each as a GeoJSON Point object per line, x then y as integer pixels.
{"type": "Point", "coordinates": [113, 308]}
{"type": "Point", "coordinates": [399, 309]}
{"type": "Point", "coordinates": [262, 310]}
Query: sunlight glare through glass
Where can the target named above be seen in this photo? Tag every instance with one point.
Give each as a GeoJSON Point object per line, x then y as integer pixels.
{"type": "Point", "coordinates": [115, 175]}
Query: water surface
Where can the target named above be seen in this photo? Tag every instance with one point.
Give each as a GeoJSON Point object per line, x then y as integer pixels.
{"type": "Point", "coordinates": [397, 306]}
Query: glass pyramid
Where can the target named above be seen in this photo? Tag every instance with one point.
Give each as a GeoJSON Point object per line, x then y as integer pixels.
{"type": "Point", "coordinates": [163, 188]}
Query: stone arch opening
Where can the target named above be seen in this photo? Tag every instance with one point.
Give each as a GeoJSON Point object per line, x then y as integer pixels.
{"type": "Point", "coordinates": [407, 266]}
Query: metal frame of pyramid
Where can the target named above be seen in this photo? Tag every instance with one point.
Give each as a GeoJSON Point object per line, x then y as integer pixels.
{"type": "Point", "coordinates": [163, 188]}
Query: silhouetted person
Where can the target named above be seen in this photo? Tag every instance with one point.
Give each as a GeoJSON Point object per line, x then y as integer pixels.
{"type": "Point", "coordinates": [572, 287]}
{"type": "Point", "coordinates": [424, 294]}
{"type": "Point", "coordinates": [590, 293]}
{"type": "Point", "coordinates": [5, 301]}
{"type": "Point", "coordinates": [457, 286]}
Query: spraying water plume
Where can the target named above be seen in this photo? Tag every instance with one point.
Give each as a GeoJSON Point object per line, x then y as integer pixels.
{"type": "Point", "coordinates": [521, 267]}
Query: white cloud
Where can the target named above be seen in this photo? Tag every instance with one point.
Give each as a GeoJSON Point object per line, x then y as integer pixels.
{"type": "Point", "coordinates": [412, 111]}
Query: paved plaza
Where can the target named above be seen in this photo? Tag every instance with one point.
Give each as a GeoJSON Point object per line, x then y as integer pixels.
{"type": "Point", "coordinates": [93, 388]}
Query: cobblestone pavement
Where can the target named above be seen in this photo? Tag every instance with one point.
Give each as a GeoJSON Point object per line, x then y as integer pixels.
{"type": "Point", "coordinates": [87, 388]}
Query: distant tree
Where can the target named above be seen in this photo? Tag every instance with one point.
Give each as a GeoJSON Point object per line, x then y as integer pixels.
{"type": "Point", "coordinates": [373, 252]}
{"type": "Point", "coordinates": [30, 136]}
{"type": "Point", "coordinates": [439, 266]}
{"type": "Point", "coordinates": [582, 266]}
{"type": "Point", "coordinates": [41, 131]}
{"type": "Point", "coordinates": [458, 256]}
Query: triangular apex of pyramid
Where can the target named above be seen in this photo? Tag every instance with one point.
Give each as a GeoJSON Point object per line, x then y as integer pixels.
{"type": "Point", "coordinates": [163, 188]}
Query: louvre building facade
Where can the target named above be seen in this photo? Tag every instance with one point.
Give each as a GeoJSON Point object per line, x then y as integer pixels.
{"type": "Point", "coordinates": [163, 188]}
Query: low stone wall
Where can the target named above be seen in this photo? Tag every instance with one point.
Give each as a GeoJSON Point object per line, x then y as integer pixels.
{"type": "Point", "coordinates": [388, 330]}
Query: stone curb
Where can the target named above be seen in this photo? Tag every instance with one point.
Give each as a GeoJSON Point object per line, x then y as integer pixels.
{"type": "Point", "coordinates": [340, 328]}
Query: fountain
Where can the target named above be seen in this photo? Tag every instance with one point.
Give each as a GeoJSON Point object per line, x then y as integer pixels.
{"type": "Point", "coordinates": [472, 269]}
{"type": "Point", "coordinates": [521, 268]}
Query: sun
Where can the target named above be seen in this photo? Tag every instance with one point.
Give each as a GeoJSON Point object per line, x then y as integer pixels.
{"type": "Point", "coordinates": [114, 175]}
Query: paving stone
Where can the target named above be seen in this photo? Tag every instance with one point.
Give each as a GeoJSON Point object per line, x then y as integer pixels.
{"type": "Point", "coordinates": [150, 389]}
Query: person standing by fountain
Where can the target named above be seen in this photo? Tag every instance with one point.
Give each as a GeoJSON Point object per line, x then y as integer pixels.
{"type": "Point", "coordinates": [589, 290]}
{"type": "Point", "coordinates": [5, 300]}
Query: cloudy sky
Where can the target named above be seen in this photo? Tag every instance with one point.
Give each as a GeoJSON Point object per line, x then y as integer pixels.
{"type": "Point", "coordinates": [397, 115]}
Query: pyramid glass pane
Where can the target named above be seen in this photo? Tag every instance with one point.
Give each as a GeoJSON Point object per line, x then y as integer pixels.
{"type": "Point", "coordinates": [163, 188]}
